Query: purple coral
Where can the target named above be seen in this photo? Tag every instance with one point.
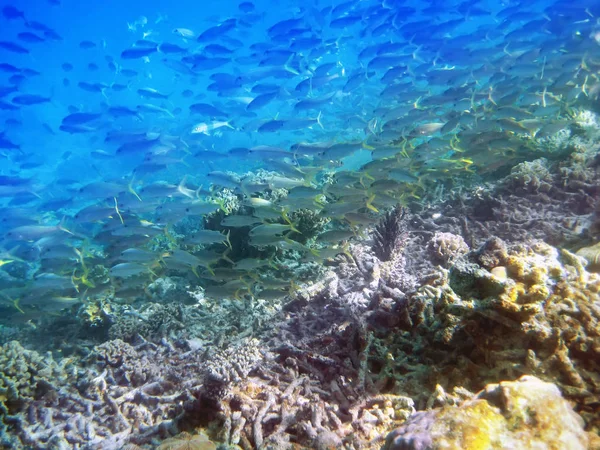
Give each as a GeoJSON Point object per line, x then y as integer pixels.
{"type": "Point", "coordinates": [415, 434]}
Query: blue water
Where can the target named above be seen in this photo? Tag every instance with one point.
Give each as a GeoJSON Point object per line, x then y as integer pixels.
{"type": "Point", "coordinates": [133, 144]}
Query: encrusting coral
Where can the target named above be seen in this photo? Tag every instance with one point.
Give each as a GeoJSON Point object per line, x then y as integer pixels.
{"type": "Point", "coordinates": [527, 413]}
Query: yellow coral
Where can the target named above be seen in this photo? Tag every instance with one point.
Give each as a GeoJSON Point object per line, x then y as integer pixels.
{"type": "Point", "coordinates": [527, 413]}
{"type": "Point", "coordinates": [537, 275]}
{"type": "Point", "coordinates": [537, 293]}
{"type": "Point", "coordinates": [515, 266]}
{"type": "Point", "coordinates": [513, 292]}
{"type": "Point", "coordinates": [473, 429]}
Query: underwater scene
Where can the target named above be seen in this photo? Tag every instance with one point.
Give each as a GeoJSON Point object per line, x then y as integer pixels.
{"type": "Point", "coordinates": [321, 224]}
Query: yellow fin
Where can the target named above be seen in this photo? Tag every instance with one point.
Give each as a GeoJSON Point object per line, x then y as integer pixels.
{"type": "Point", "coordinates": [369, 204]}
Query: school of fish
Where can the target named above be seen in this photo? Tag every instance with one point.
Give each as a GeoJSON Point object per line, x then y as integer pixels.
{"type": "Point", "coordinates": [343, 108]}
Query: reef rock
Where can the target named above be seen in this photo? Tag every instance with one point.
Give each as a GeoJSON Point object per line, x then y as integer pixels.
{"type": "Point", "coordinates": [527, 413]}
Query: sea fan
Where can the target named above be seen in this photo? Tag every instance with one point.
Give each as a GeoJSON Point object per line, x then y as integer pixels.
{"type": "Point", "coordinates": [390, 234]}
{"type": "Point", "coordinates": [186, 441]}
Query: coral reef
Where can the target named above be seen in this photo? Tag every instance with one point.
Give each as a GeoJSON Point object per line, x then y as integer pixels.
{"type": "Point", "coordinates": [186, 441]}
{"type": "Point", "coordinates": [390, 234]}
{"type": "Point", "coordinates": [528, 310]}
{"type": "Point", "coordinates": [445, 248]}
{"type": "Point", "coordinates": [308, 222]}
{"type": "Point", "coordinates": [347, 360]}
{"type": "Point", "coordinates": [397, 334]}
{"type": "Point", "coordinates": [592, 255]}
{"type": "Point", "coordinates": [527, 413]}
{"type": "Point", "coordinates": [531, 176]}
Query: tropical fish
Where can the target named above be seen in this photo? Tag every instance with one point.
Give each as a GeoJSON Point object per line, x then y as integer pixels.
{"type": "Point", "coordinates": [128, 269]}
{"type": "Point", "coordinates": [206, 128]}
{"type": "Point", "coordinates": [137, 52]}
{"type": "Point", "coordinates": [151, 93]}
{"type": "Point", "coordinates": [29, 99]}
{"type": "Point", "coordinates": [184, 32]}
{"type": "Point", "coordinates": [12, 47]}
{"type": "Point", "coordinates": [29, 37]}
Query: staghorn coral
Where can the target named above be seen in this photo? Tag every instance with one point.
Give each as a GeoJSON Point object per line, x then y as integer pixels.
{"type": "Point", "coordinates": [527, 413]}
{"type": "Point", "coordinates": [225, 366]}
{"type": "Point", "coordinates": [155, 322]}
{"type": "Point", "coordinates": [562, 213]}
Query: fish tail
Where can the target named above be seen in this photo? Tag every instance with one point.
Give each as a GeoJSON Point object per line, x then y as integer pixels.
{"type": "Point", "coordinates": [367, 176]}
{"type": "Point", "coordinates": [9, 255]}
{"type": "Point", "coordinates": [169, 236]}
{"type": "Point", "coordinates": [369, 204]}
{"type": "Point", "coordinates": [61, 226]}
{"type": "Point", "coordinates": [227, 258]}
{"type": "Point", "coordinates": [227, 239]}
{"type": "Point", "coordinates": [345, 249]}
{"type": "Point", "coordinates": [15, 303]}
{"type": "Point", "coordinates": [182, 189]}
{"type": "Point", "coordinates": [289, 69]}
{"type": "Point", "coordinates": [117, 211]}
{"type": "Point", "coordinates": [319, 201]}
{"type": "Point", "coordinates": [416, 56]}
{"type": "Point", "coordinates": [319, 120]}
{"type": "Point", "coordinates": [197, 193]}
{"type": "Point", "coordinates": [289, 221]}
{"type": "Point", "coordinates": [79, 254]}
{"type": "Point", "coordinates": [130, 188]}
{"type": "Point", "coordinates": [86, 281]}
{"type": "Point", "coordinates": [416, 103]}
{"type": "Point", "coordinates": [74, 280]}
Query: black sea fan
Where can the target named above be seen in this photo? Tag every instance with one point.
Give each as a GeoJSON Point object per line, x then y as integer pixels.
{"type": "Point", "coordinates": [390, 234]}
